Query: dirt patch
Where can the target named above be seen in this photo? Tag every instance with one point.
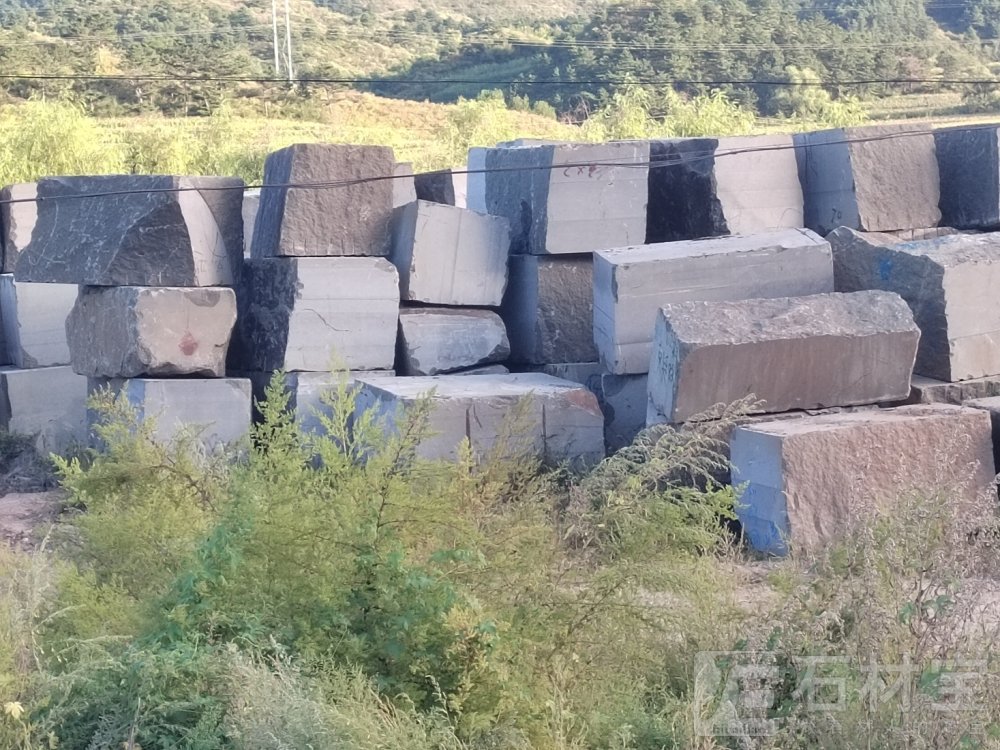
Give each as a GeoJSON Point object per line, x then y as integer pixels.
{"type": "Point", "coordinates": [24, 516]}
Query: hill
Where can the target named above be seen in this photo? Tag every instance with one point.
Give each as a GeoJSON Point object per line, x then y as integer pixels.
{"type": "Point", "coordinates": [581, 49]}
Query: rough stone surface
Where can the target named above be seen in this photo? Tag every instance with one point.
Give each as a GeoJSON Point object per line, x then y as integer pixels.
{"type": "Point", "coordinates": [152, 231]}
{"type": "Point", "coordinates": [313, 313]}
{"type": "Point", "coordinates": [631, 284]}
{"type": "Point", "coordinates": [450, 256]}
{"type": "Point", "coordinates": [217, 411]}
{"type": "Point", "coordinates": [34, 321]}
{"type": "Point", "coordinates": [969, 162]}
{"type": "Point", "coordinates": [791, 353]}
{"type": "Point", "coordinates": [251, 202]}
{"type": "Point", "coordinates": [874, 179]}
{"type": "Point", "coordinates": [950, 284]}
{"type": "Point", "coordinates": [17, 220]}
{"type": "Point", "coordinates": [47, 403]}
{"type": "Point", "coordinates": [334, 220]}
{"type": "Point", "coordinates": [706, 187]}
{"type": "Point", "coordinates": [570, 198]}
{"type": "Point", "coordinates": [806, 478]}
{"type": "Point", "coordinates": [992, 407]}
{"type": "Point", "coordinates": [437, 340]}
{"type": "Point", "coordinates": [925, 390]}
{"type": "Point", "coordinates": [549, 310]}
{"type": "Point", "coordinates": [563, 421]}
{"type": "Point", "coordinates": [447, 186]}
{"type": "Point", "coordinates": [404, 188]}
{"type": "Point", "coordinates": [132, 331]}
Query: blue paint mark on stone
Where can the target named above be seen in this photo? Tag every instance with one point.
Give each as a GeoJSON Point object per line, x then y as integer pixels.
{"type": "Point", "coordinates": [885, 269]}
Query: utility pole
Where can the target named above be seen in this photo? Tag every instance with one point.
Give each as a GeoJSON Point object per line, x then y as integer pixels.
{"type": "Point", "coordinates": [274, 26]}
{"type": "Point", "coordinates": [288, 43]}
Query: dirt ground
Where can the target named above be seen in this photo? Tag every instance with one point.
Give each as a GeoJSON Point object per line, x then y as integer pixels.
{"type": "Point", "coordinates": [30, 500]}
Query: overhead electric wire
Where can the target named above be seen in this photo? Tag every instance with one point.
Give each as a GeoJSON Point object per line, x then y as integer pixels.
{"type": "Point", "coordinates": [494, 82]}
{"type": "Point", "coordinates": [688, 158]}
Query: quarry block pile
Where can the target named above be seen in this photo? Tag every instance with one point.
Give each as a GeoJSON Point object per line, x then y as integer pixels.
{"type": "Point", "coordinates": [841, 282]}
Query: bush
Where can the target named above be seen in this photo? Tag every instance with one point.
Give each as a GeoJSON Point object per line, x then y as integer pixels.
{"type": "Point", "coordinates": [487, 601]}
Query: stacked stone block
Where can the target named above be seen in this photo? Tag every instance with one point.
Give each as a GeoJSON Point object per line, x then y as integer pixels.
{"type": "Point", "coordinates": [155, 259]}
{"type": "Point", "coordinates": [452, 265]}
{"type": "Point", "coordinates": [318, 292]}
{"type": "Point", "coordinates": [874, 179]}
{"type": "Point", "coordinates": [708, 187]}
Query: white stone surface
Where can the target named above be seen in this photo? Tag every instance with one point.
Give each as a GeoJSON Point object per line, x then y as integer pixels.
{"type": "Point", "coordinates": [34, 321]}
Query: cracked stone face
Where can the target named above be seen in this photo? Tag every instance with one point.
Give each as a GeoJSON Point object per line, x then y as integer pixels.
{"type": "Point", "coordinates": [310, 314]}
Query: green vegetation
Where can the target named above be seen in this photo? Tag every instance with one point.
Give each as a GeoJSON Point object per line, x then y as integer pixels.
{"type": "Point", "coordinates": [573, 54]}
{"type": "Point", "coordinates": [341, 592]}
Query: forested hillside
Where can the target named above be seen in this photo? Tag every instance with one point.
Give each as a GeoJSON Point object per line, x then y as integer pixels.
{"type": "Point", "coordinates": [571, 53]}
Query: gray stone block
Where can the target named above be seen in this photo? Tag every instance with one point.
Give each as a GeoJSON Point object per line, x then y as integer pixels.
{"type": "Point", "coordinates": [969, 162]}
{"type": "Point", "coordinates": [807, 479]}
{"type": "Point", "coordinates": [251, 203]}
{"type": "Point", "coordinates": [791, 353]}
{"type": "Point", "coordinates": [623, 399]}
{"type": "Point", "coordinates": [570, 198]}
{"type": "Point", "coordinates": [450, 256]}
{"type": "Point", "coordinates": [404, 189]}
{"type": "Point", "coordinates": [436, 340]}
{"type": "Point", "coordinates": [313, 313]}
{"type": "Point", "coordinates": [632, 284]}
{"type": "Point", "coordinates": [214, 411]}
{"type": "Point", "coordinates": [447, 186]}
{"type": "Point", "coordinates": [707, 187]}
{"type": "Point", "coordinates": [47, 403]}
{"type": "Point", "coordinates": [135, 230]}
{"type": "Point", "coordinates": [132, 331]}
{"type": "Point", "coordinates": [877, 178]}
{"type": "Point", "coordinates": [549, 310]}
{"type": "Point", "coordinates": [34, 321]}
{"type": "Point", "coordinates": [564, 422]}
{"type": "Point", "coordinates": [18, 214]}
{"type": "Point", "coordinates": [344, 212]}
{"type": "Point", "coordinates": [948, 282]}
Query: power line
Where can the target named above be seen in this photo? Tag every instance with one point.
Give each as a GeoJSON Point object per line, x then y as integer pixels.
{"type": "Point", "coordinates": [494, 82]}
{"type": "Point", "coordinates": [686, 158]}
